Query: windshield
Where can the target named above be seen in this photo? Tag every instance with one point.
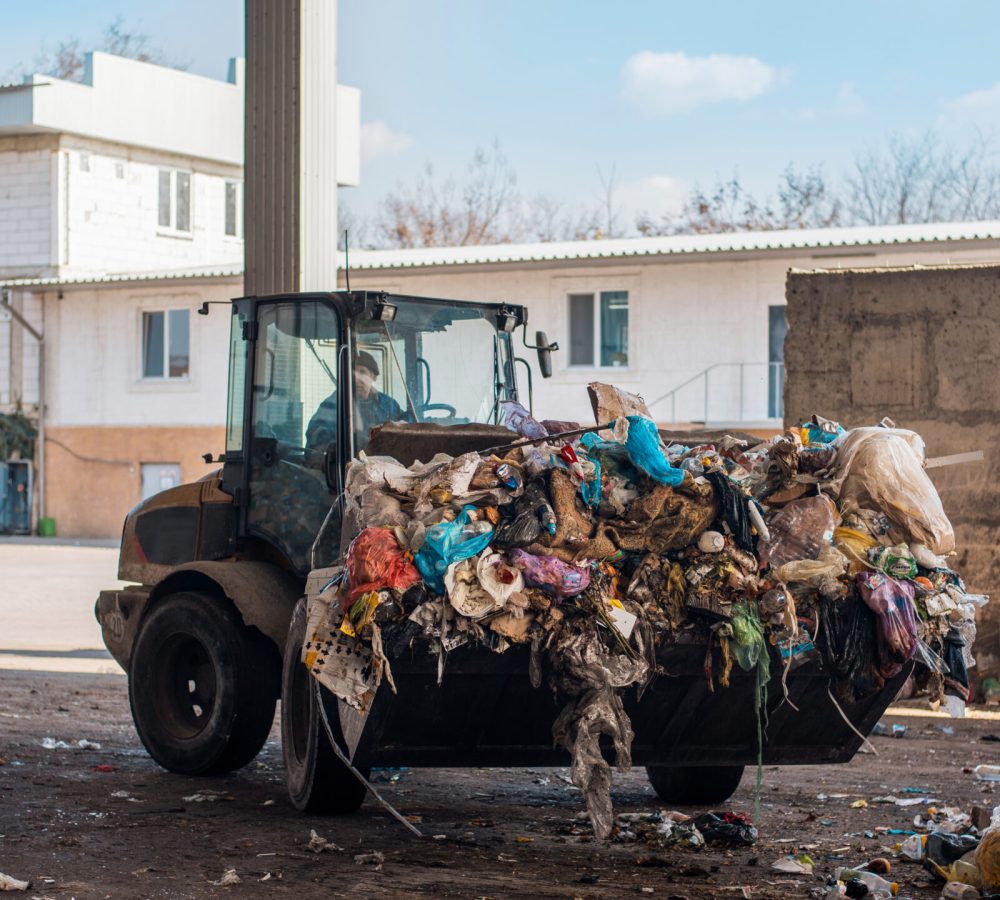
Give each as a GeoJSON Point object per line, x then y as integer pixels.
{"type": "Point", "coordinates": [433, 363]}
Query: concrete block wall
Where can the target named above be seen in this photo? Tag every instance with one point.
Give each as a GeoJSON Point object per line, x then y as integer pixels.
{"type": "Point", "coordinates": [26, 203]}
{"type": "Point", "coordinates": [111, 213]}
{"type": "Point", "coordinates": [919, 345]}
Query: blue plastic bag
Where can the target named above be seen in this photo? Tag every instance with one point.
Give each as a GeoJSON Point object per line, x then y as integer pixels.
{"type": "Point", "coordinates": [643, 447]}
{"type": "Point", "coordinates": [450, 542]}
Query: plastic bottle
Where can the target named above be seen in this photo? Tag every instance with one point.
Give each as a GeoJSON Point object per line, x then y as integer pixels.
{"type": "Point", "coordinates": [955, 890]}
{"type": "Point", "coordinates": [878, 887]}
{"type": "Point", "coordinates": [987, 773]}
{"type": "Point", "coordinates": [913, 847]}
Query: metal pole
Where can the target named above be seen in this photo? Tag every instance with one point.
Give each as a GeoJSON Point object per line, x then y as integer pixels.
{"type": "Point", "coordinates": [741, 393]}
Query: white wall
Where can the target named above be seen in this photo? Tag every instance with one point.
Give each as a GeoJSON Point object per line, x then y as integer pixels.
{"type": "Point", "coordinates": [111, 222]}
{"type": "Point", "coordinates": [26, 192]}
{"type": "Point", "coordinates": [684, 316]}
{"type": "Point", "coordinates": [94, 367]}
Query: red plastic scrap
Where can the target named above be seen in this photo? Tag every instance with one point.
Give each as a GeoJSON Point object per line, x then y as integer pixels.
{"type": "Point", "coordinates": [375, 562]}
{"type": "Point", "coordinates": [104, 769]}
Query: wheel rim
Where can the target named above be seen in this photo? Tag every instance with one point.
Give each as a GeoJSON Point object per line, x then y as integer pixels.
{"type": "Point", "coordinates": [186, 685]}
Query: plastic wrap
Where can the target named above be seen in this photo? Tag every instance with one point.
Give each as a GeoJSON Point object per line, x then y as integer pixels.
{"type": "Point", "coordinates": [643, 446]}
{"type": "Point", "coordinates": [374, 562]}
{"type": "Point", "coordinates": [451, 542]}
{"type": "Point", "coordinates": [854, 544]}
{"type": "Point", "coordinates": [822, 573]}
{"type": "Point", "coordinates": [884, 469]}
{"type": "Point", "coordinates": [518, 419]}
{"type": "Point", "coordinates": [799, 530]}
{"type": "Point", "coordinates": [892, 602]}
{"type": "Point", "coordinates": [558, 578]}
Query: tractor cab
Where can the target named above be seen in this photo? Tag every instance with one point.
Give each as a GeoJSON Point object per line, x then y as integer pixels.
{"type": "Point", "coordinates": [313, 375]}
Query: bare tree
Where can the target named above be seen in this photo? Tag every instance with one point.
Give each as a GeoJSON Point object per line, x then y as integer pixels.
{"type": "Point", "coordinates": [609, 205]}
{"type": "Point", "coordinates": [804, 200]}
{"type": "Point", "coordinates": [67, 59]}
{"type": "Point", "coordinates": [908, 182]}
{"type": "Point", "coordinates": [480, 209]}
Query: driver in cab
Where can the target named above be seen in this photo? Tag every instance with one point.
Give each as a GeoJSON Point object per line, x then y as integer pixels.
{"type": "Point", "coordinates": [371, 408]}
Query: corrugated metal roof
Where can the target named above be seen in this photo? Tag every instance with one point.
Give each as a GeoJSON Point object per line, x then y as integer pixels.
{"type": "Point", "coordinates": [734, 242]}
{"type": "Point", "coordinates": [117, 277]}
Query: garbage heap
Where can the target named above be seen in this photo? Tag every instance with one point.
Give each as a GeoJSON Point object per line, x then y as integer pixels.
{"type": "Point", "coordinates": [600, 548]}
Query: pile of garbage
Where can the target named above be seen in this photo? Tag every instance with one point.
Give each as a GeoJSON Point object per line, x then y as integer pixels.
{"type": "Point", "coordinates": [599, 547]}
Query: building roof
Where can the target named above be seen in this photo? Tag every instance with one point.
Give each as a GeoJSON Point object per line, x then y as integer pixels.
{"type": "Point", "coordinates": [230, 271]}
{"type": "Point", "coordinates": [673, 245]}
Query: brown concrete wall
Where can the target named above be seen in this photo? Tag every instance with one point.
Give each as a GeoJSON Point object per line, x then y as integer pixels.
{"type": "Point", "coordinates": [93, 475]}
{"type": "Point", "coordinates": [920, 346]}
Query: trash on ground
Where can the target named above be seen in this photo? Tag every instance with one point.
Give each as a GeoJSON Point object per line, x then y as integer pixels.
{"type": "Point", "coordinates": [597, 549]}
{"type": "Point", "coordinates": [795, 865]}
{"type": "Point", "coordinates": [320, 844]}
{"type": "Point", "coordinates": [229, 877]}
{"type": "Point", "coordinates": [375, 859]}
{"type": "Point", "coordinates": [9, 883]}
{"type": "Point", "coordinates": [207, 797]}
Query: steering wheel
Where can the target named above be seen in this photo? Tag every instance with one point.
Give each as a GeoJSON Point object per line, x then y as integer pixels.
{"type": "Point", "coordinates": [446, 407]}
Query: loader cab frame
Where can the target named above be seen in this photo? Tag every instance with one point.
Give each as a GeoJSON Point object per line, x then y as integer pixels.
{"type": "Point", "coordinates": [291, 426]}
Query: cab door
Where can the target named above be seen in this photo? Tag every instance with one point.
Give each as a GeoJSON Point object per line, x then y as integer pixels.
{"type": "Point", "coordinates": [294, 440]}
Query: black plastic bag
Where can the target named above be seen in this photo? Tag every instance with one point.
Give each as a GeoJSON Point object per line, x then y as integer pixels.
{"type": "Point", "coordinates": [734, 510]}
{"type": "Point", "coordinates": [849, 646]}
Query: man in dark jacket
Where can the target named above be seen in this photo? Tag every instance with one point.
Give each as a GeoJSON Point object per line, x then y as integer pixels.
{"type": "Point", "coordinates": [371, 408]}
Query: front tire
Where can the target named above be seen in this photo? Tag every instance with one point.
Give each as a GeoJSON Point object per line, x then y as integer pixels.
{"type": "Point", "coordinates": [318, 782]}
{"type": "Point", "coordinates": [202, 685]}
{"type": "Point", "coordinates": [694, 785]}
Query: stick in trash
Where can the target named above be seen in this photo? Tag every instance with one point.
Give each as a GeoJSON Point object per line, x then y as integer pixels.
{"type": "Point", "coordinates": [489, 451]}
{"type": "Point", "coordinates": [343, 758]}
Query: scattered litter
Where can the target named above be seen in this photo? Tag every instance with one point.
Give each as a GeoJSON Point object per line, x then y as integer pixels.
{"type": "Point", "coordinates": [52, 744]}
{"type": "Point", "coordinates": [268, 803]}
{"type": "Point", "coordinates": [523, 840]}
{"type": "Point", "coordinates": [375, 859]}
{"type": "Point", "coordinates": [9, 883]}
{"type": "Point", "coordinates": [84, 744]}
{"type": "Point", "coordinates": [207, 797]}
{"type": "Point", "coordinates": [320, 844]}
{"type": "Point", "coordinates": [268, 876]}
{"type": "Point", "coordinates": [104, 769]}
{"type": "Point", "coordinates": [859, 804]}
{"type": "Point", "coordinates": [987, 773]}
{"type": "Point", "coordinates": [229, 877]}
{"type": "Point", "coordinates": [795, 865]}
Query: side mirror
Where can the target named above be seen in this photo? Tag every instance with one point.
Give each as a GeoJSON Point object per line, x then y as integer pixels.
{"type": "Point", "coordinates": [544, 350]}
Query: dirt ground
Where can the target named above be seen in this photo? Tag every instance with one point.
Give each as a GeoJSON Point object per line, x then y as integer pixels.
{"type": "Point", "coordinates": [75, 829]}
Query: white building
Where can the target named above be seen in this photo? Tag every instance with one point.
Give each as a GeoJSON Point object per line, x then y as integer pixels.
{"type": "Point", "coordinates": [647, 314]}
{"type": "Point", "coordinates": [134, 173]}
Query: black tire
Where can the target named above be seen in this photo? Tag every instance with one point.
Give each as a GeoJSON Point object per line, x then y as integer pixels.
{"type": "Point", "coordinates": [694, 785]}
{"type": "Point", "coordinates": [202, 685]}
{"type": "Point", "coordinates": [318, 782]}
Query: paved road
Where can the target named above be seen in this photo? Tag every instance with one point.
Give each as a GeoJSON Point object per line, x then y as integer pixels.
{"type": "Point", "coordinates": [47, 604]}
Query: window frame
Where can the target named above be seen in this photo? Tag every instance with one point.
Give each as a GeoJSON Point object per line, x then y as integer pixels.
{"type": "Point", "coordinates": [238, 184]}
{"type": "Point", "coordinates": [171, 230]}
{"type": "Point", "coordinates": [166, 377]}
{"type": "Point", "coordinates": [598, 330]}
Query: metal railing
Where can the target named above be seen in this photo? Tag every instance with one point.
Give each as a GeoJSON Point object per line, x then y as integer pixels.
{"type": "Point", "coordinates": [728, 392]}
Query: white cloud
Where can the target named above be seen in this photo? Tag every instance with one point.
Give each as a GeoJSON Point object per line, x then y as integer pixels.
{"type": "Point", "coordinates": [979, 108]}
{"type": "Point", "coordinates": [378, 139]}
{"type": "Point", "coordinates": [849, 101]}
{"type": "Point", "coordinates": [669, 83]}
{"type": "Point", "coordinates": [655, 196]}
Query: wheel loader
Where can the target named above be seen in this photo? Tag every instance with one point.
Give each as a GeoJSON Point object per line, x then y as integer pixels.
{"type": "Point", "coordinates": [210, 630]}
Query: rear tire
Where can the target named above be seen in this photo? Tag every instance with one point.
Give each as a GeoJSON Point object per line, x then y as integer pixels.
{"type": "Point", "coordinates": [202, 685]}
{"type": "Point", "coordinates": [318, 782]}
{"type": "Point", "coordinates": [694, 785]}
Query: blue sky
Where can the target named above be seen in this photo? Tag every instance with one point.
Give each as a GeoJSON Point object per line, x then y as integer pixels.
{"type": "Point", "coordinates": [671, 94]}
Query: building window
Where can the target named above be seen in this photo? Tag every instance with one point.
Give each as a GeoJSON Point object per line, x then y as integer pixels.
{"type": "Point", "coordinates": [119, 170]}
{"type": "Point", "coordinates": [598, 329]}
{"type": "Point", "coordinates": [166, 343]}
{"type": "Point", "coordinates": [174, 200]}
{"type": "Point", "coordinates": [84, 162]}
{"type": "Point", "coordinates": [234, 208]}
